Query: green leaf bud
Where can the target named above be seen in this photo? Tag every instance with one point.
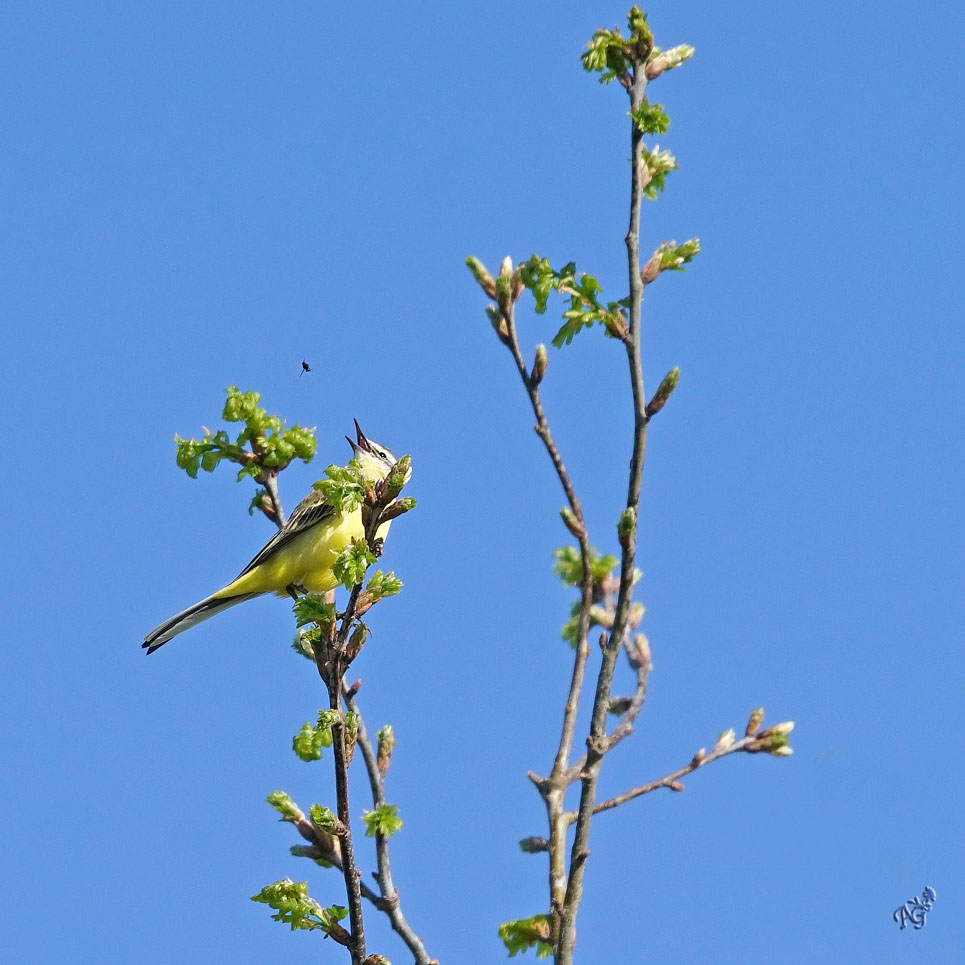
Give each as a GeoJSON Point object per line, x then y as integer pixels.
{"type": "Point", "coordinates": [539, 365]}
{"type": "Point", "coordinates": [481, 274]}
{"type": "Point", "coordinates": [398, 508]}
{"type": "Point", "coordinates": [324, 819]}
{"type": "Point", "coordinates": [663, 393]}
{"type": "Point", "coordinates": [571, 522]}
{"type": "Point", "coordinates": [285, 806]}
{"type": "Point", "coordinates": [626, 524]}
{"type": "Point", "coordinates": [397, 477]}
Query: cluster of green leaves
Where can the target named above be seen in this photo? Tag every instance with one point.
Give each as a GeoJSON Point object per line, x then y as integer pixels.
{"type": "Point", "coordinates": [382, 820]}
{"type": "Point", "coordinates": [352, 562]}
{"type": "Point", "coordinates": [585, 307]}
{"type": "Point", "coordinates": [296, 908]}
{"type": "Point", "coordinates": [312, 608]}
{"type": "Point", "coordinates": [612, 56]}
{"type": "Point", "coordinates": [263, 442]}
{"type": "Point", "coordinates": [568, 565]}
{"type": "Point", "coordinates": [524, 934]}
{"type": "Point", "coordinates": [381, 585]}
{"type": "Point", "coordinates": [343, 487]}
{"type": "Point", "coordinates": [651, 118]}
{"type": "Point", "coordinates": [309, 741]}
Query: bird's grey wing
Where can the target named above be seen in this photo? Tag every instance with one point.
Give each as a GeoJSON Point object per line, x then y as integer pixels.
{"type": "Point", "coordinates": [311, 511]}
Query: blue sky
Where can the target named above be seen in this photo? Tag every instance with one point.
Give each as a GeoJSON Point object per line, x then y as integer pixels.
{"type": "Point", "coordinates": [197, 195]}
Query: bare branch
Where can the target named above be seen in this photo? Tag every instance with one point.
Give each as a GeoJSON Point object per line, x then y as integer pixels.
{"type": "Point", "coordinates": [554, 787]}
{"type": "Point", "coordinates": [389, 900]}
{"type": "Point", "coordinates": [639, 659]}
{"type": "Point", "coordinates": [698, 760]}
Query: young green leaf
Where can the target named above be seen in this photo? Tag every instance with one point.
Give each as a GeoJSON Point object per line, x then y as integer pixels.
{"type": "Point", "coordinates": [524, 934]}
{"type": "Point", "coordinates": [384, 820]}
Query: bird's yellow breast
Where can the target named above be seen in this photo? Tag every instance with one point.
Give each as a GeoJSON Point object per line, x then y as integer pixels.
{"type": "Point", "coordinates": [306, 561]}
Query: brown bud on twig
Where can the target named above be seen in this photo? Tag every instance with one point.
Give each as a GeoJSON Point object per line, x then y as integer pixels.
{"type": "Point", "coordinates": [725, 741]}
{"type": "Point", "coordinates": [539, 366]}
{"type": "Point", "coordinates": [676, 786]}
{"type": "Point", "coordinates": [620, 705]}
{"type": "Point", "coordinates": [698, 758]}
{"type": "Point", "coordinates": [517, 287]}
{"type": "Point", "coordinates": [533, 845]}
{"type": "Point", "coordinates": [386, 746]}
{"type": "Point", "coordinates": [651, 269]}
{"type": "Point", "coordinates": [356, 642]}
{"type": "Point", "coordinates": [616, 325]}
{"type": "Point", "coordinates": [754, 721]}
{"type": "Point", "coordinates": [498, 323]}
{"type": "Point", "coordinates": [641, 651]}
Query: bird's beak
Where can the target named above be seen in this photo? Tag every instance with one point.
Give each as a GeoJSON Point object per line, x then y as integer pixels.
{"type": "Point", "coordinates": [363, 444]}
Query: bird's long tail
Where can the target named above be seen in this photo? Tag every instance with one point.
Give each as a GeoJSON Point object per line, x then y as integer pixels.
{"type": "Point", "coordinates": [191, 617]}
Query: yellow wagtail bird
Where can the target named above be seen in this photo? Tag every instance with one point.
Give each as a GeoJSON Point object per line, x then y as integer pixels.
{"type": "Point", "coordinates": [300, 554]}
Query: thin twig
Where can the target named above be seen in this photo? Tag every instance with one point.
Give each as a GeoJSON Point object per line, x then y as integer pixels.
{"type": "Point", "coordinates": [554, 788]}
{"type": "Point", "coordinates": [331, 662]}
{"type": "Point", "coordinates": [597, 740]}
{"type": "Point", "coordinates": [334, 671]}
{"type": "Point", "coordinates": [671, 779]}
{"type": "Point", "coordinates": [640, 663]}
{"type": "Point", "coordinates": [389, 900]}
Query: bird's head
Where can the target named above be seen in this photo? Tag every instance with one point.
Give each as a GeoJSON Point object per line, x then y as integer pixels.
{"type": "Point", "coordinates": [374, 459]}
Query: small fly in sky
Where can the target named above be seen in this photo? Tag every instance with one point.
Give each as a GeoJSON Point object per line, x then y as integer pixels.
{"type": "Point", "coordinates": [305, 368]}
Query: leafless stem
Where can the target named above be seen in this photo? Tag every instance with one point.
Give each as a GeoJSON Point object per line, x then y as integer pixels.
{"type": "Point", "coordinates": [596, 743]}
{"type": "Point", "coordinates": [389, 900]}
{"type": "Point", "coordinates": [332, 673]}
{"type": "Point", "coordinates": [671, 779]}
{"type": "Point", "coordinates": [554, 788]}
{"type": "Point", "coordinates": [640, 663]}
